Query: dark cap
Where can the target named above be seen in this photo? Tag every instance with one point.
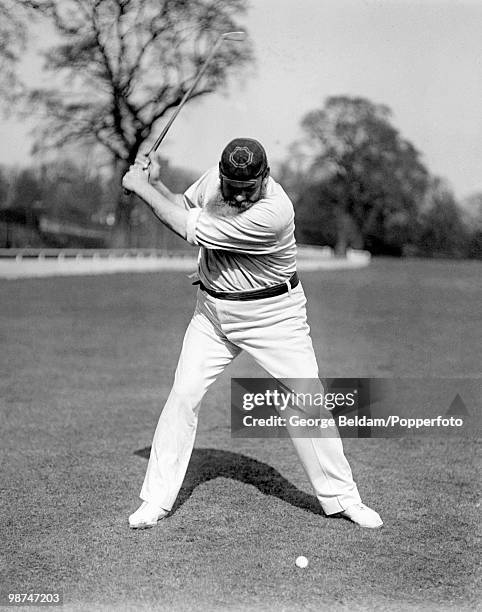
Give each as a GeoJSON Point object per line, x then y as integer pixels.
{"type": "Point", "coordinates": [243, 160]}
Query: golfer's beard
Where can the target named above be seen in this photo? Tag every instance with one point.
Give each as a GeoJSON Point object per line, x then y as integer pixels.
{"type": "Point", "coordinates": [222, 207]}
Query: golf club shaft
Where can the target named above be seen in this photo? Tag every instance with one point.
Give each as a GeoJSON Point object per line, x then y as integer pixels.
{"type": "Point", "coordinates": [186, 96]}
{"type": "Point", "coordinates": [234, 36]}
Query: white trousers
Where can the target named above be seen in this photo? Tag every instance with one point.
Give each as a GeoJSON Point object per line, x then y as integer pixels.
{"type": "Point", "coordinates": [274, 331]}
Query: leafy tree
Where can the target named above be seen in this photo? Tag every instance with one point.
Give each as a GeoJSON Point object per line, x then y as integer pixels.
{"type": "Point", "coordinates": [441, 230]}
{"type": "Point", "coordinates": [125, 64]}
{"type": "Point", "coordinates": [474, 248]}
{"type": "Point", "coordinates": [372, 177]}
{"type": "Point", "coordinates": [26, 189]}
{"type": "Point", "coordinates": [316, 222]}
{"type": "Point", "coordinates": [4, 188]}
{"type": "Point", "coordinates": [71, 192]}
{"type": "Point", "coordinates": [472, 210]}
{"type": "Point", "coordinates": [472, 215]}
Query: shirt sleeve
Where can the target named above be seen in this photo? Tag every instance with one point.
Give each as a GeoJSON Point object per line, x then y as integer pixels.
{"type": "Point", "coordinates": [192, 218]}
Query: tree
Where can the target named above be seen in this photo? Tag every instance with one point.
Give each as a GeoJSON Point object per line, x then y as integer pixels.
{"type": "Point", "coordinates": [472, 211]}
{"type": "Point", "coordinates": [472, 215]}
{"type": "Point", "coordinates": [27, 190]}
{"type": "Point", "coordinates": [373, 176]}
{"type": "Point", "coordinates": [71, 192]}
{"type": "Point", "coordinates": [125, 64]}
{"type": "Point", "coordinates": [13, 27]}
{"type": "Point", "coordinates": [4, 188]}
{"type": "Point", "coordinates": [441, 231]}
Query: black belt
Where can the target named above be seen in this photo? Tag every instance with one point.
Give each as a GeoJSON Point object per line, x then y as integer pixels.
{"type": "Point", "coordinates": [256, 294]}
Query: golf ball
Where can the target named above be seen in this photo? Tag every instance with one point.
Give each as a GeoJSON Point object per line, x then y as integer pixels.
{"type": "Point", "coordinates": [301, 562]}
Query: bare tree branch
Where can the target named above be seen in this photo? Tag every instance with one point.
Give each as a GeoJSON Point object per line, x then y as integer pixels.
{"type": "Point", "coordinates": [127, 63]}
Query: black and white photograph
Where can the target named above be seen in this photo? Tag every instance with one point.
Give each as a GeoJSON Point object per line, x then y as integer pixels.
{"type": "Point", "coordinates": [240, 279]}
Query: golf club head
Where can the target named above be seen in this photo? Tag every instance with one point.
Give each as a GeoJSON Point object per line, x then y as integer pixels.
{"type": "Point", "coordinates": [234, 36]}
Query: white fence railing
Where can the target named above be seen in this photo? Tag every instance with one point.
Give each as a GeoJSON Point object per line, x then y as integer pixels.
{"type": "Point", "coordinates": [30, 253]}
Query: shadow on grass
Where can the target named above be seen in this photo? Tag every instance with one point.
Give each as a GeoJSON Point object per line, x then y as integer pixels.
{"type": "Point", "coordinates": [209, 463]}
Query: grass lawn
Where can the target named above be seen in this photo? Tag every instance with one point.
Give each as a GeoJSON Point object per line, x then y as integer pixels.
{"type": "Point", "coordinates": [87, 363]}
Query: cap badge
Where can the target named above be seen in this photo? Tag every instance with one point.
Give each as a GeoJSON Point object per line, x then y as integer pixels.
{"type": "Point", "coordinates": [241, 157]}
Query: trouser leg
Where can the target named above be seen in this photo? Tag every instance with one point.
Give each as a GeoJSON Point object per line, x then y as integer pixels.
{"type": "Point", "coordinates": [283, 347]}
{"type": "Point", "coordinates": [204, 355]}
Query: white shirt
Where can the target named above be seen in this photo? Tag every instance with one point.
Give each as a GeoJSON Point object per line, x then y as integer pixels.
{"type": "Point", "coordinates": [241, 251]}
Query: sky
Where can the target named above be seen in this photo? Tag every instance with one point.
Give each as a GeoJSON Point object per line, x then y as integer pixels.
{"type": "Point", "coordinates": [422, 58]}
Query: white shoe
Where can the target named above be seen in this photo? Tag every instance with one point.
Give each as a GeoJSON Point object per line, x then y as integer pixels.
{"type": "Point", "coordinates": [146, 516]}
{"type": "Point", "coordinates": [363, 515]}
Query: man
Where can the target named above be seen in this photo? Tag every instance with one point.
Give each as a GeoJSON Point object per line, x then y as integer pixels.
{"type": "Point", "coordinates": [249, 299]}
